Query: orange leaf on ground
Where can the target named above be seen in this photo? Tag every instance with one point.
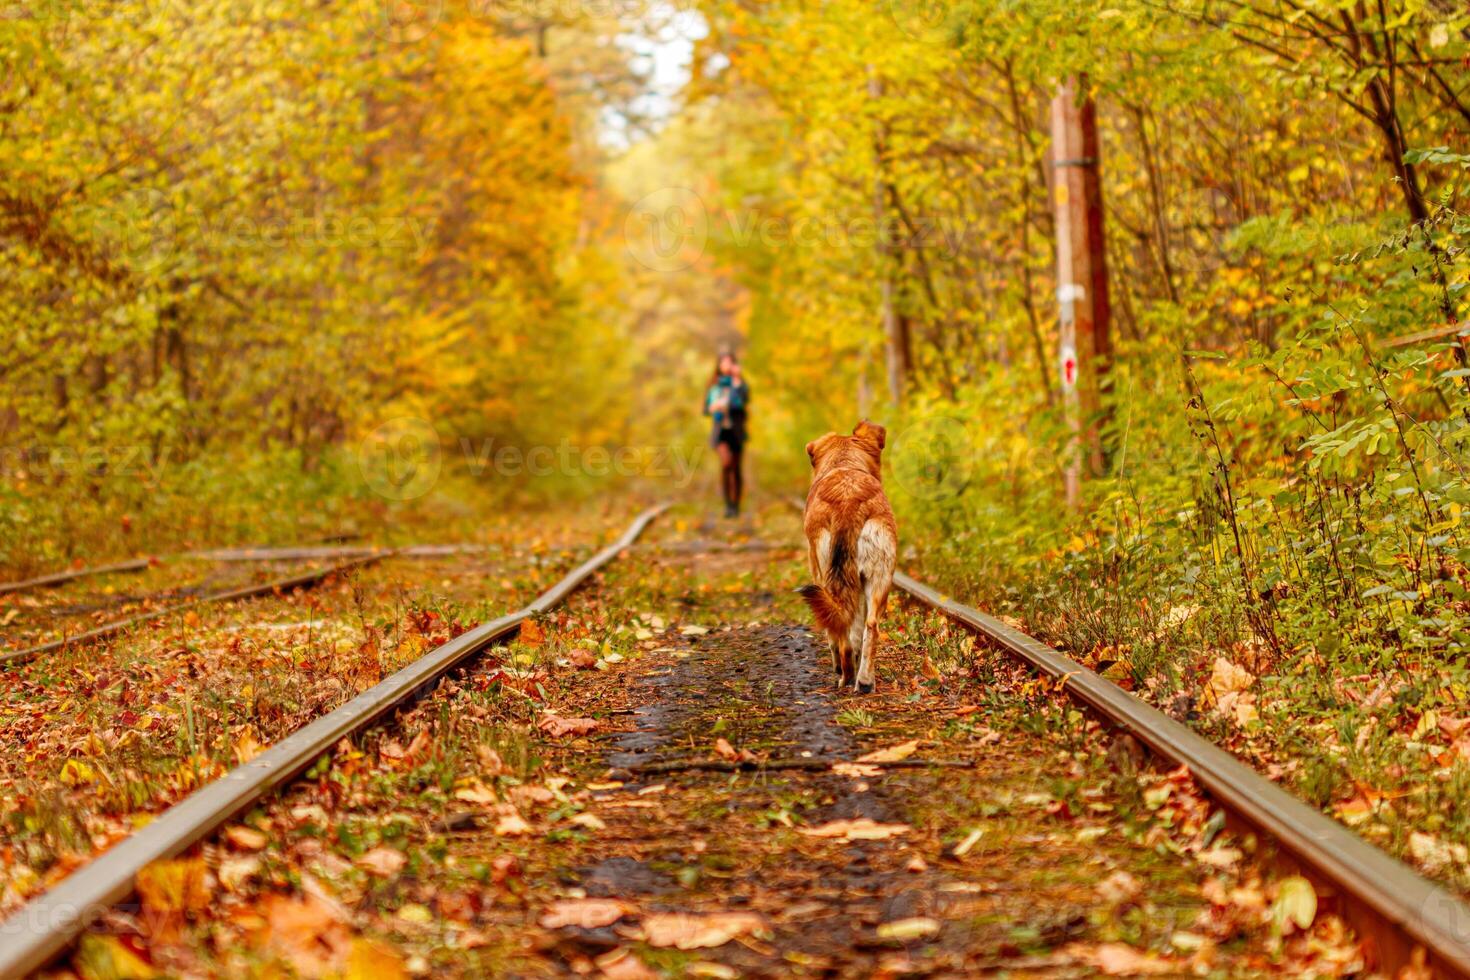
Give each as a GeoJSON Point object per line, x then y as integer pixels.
{"type": "Point", "coordinates": [306, 933]}
{"type": "Point", "coordinates": [174, 886]}
{"type": "Point", "coordinates": [621, 964]}
{"type": "Point", "coordinates": [896, 753]}
{"type": "Point", "coordinates": [382, 862]}
{"type": "Point", "coordinates": [585, 913]}
{"type": "Point", "coordinates": [491, 761]}
{"type": "Point", "coordinates": [860, 829]}
{"type": "Point", "coordinates": [245, 838]}
{"type": "Point", "coordinates": [1122, 960]}
{"type": "Point", "coordinates": [726, 751]}
{"type": "Point", "coordinates": [512, 825]}
{"type": "Point", "coordinates": [531, 635]}
{"type": "Point", "coordinates": [557, 726]}
{"type": "Point", "coordinates": [111, 956]}
{"type": "Point", "coordinates": [474, 790]}
{"type": "Point", "coordinates": [683, 930]}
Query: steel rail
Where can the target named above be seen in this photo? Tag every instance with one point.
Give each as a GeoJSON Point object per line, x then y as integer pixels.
{"type": "Point", "coordinates": [138, 564]}
{"type": "Point", "coordinates": [1384, 898]}
{"type": "Point", "coordinates": [59, 578]}
{"type": "Point", "coordinates": [336, 551]}
{"type": "Point", "coordinates": [41, 930]}
{"type": "Point", "coordinates": [106, 630]}
{"type": "Point", "coordinates": [242, 555]}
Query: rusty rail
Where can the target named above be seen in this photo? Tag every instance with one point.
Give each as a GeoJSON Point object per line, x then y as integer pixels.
{"type": "Point", "coordinates": [107, 630]}
{"type": "Point", "coordinates": [1402, 913]}
{"type": "Point", "coordinates": [44, 928]}
{"type": "Point", "coordinates": [1383, 898]}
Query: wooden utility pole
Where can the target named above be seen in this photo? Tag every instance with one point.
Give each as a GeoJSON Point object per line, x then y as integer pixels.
{"type": "Point", "coordinates": [1085, 342]}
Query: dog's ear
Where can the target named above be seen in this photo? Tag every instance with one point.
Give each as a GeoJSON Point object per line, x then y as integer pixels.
{"type": "Point", "coordinates": [871, 431]}
{"type": "Point", "coordinates": [815, 446]}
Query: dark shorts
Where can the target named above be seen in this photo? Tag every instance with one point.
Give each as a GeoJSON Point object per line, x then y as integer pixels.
{"type": "Point", "coordinates": [730, 437]}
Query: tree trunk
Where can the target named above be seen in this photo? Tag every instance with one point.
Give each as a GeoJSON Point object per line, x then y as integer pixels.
{"type": "Point", "coordinates": [898, 347]}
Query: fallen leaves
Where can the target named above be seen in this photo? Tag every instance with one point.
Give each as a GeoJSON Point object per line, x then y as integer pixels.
{"type": "Point", "coordinates": [235, 873]}
{"type": "Point", "coordinates": [1227, 689]}
{"type": "Point", "coordinates": [382, 862]}
{"type": "Point", "coordinates": [1295, 905]}
{"type": "Point", "coordinates": [474, 790]}
{"type": "Point", "coordinates": [903, 930]}
{"type": "Point", "coordinates": [244, 838]}
{"type": "Point", "coordinates": [585, 913]}
{"type": "Point", "coordinates": [112, 957]}
{"type": "Point", "coordinates": [677, 930]}
{"type": "Point", "coordinates": [304, 931]}
{"type": "Point", "coordinates": [968, 844]}
{"type": "Point", "coordinates": [859, 829]}
{"type": "Point", "coordinates": [311, 935]}
{"type": "Point", "coordinates": [1432, 854]}
{"type": "Point", "coordinates": [1118, 887]}
{"type": "Point", "coordinates": [896, 753]}
{"type": "Point", "coordinates": [725, 750]}
{"type": "Point", "coordinates": [75, 772]}
{"type": "Point", "coordinates": [1121, 960]}
{"type": "Point", "coordinates": [174, 887]}
{"type": "Point", "coordinates": [512, 824]}
{"type": "Point", "coordinates": [557, 727]}
{"type": "Point", "coordinates": [395, 754]}
{"type": "Point", "coordinates": [531, 634]}
{"type": "Point", "coordinates": [683, 930]}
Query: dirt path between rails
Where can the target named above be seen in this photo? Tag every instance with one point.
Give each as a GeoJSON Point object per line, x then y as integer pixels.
{"type": "Point", "coordinates": [509, 825]}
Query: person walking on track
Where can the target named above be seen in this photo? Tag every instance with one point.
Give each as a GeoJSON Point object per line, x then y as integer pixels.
{"type": "Point", "coordinates": [726, 402]}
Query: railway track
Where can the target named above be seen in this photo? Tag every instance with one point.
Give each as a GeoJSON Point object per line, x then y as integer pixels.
{"type": "Point", "coordinates": [344, 559]}
{"type": "Point", "coordinates": [1406, 918]}
{"type": "Point", "coordinates": [71, 575]}
{"type": "Point", "coordinates": [44, 928]}
{"type": "Point", "coordinates": [1410, 919]}
{"type": "Point", "coordinates": [323, 550]}
{"type": "Point", "coordinates": [301, 580]}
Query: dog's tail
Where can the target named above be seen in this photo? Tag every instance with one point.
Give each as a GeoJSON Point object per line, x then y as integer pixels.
{"type": "Point", "coordinates": [842, 582]}
{"type": "Point", "coordinates": [824, 607]}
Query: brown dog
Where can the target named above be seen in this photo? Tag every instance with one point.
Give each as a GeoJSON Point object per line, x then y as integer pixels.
{"type": "Point", "coordinates": [852, 541]}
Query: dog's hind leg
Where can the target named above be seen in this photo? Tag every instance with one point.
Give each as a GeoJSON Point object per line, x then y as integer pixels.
{"type": "Point", "coordinates": [876, 549]}
{"type": "Point", "coordinates": [854, 639]}
{"type": "Point", "coordinates": [847, 657]}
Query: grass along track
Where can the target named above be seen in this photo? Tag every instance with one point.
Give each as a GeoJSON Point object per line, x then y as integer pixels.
{"type": "Point", "coordinates": [103, 737]}
{"type": "Point", "coordinates": [46, 925]}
